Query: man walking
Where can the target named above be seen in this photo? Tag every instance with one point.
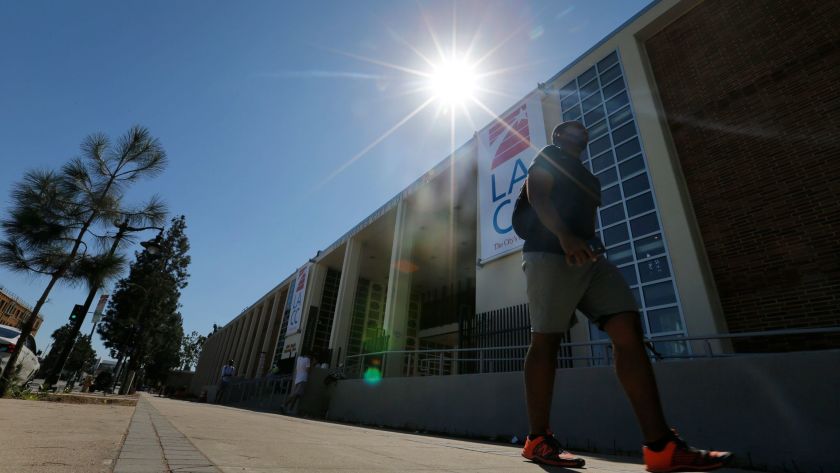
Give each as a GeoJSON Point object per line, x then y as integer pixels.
{"type": "Point", "coordinates": [565, 271]}
{"type": "Point", "coordinates": [228, 372]}
{"type": "Point", "coordinates": [303, 365]}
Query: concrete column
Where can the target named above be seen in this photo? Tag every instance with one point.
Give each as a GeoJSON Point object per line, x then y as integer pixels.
{"type": "Point", "coordinates": [344, 303]}
{"type": "Point", "coordinates": [215, 355]}
{"type": "Point", "coordinates": [259, 335]}
{"type": "Point", "coordinates": [222, 351]}
{"type": "Point", "coordinates": [250, 341]}
{"type": "Point", "coordinates": [273, 331]}
{"type": "Point", "coordinates": [314, 290]}
{"type": "Point", "coordinates": [241, 348]}
{"type": "Point", "coordinates": [235, 341]}
{"type": "Point", "coordinates": [201, 368]}
{"type": "Point", "coordinates": [205, 359]}
{"type": "Point", "coordinates": [399, 291]}
{"type": "Point", "coordinates": [230, 331]}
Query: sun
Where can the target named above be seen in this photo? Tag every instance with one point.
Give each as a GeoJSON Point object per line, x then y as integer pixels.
{"type": "Point", "coordinates": [453, 82]}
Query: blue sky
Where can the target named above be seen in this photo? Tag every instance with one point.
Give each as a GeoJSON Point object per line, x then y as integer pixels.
{"type": "Point", "coordinates": [256, 104]}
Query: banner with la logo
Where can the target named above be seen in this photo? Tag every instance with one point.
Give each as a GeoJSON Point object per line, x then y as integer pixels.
{"type": "Point", "coordinates": [505, 150]}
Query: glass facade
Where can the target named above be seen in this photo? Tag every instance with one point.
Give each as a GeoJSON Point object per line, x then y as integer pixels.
{"type": "Point", "coordinates": [628, 220]}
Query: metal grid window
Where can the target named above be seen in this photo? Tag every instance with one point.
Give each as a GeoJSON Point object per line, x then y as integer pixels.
{"type": "Point", "coordinates": [628, 220]}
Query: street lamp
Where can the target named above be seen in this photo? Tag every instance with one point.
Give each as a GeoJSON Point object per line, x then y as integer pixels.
{"type": "Point", "coordinates": [153, 247]}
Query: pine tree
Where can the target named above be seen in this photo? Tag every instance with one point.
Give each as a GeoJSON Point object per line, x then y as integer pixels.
{"type": "Point", "coordinates": [142, 323]}
{"type": "Point", "coordinates": [54, 214]}
{"type": "Point", "coordinates": [191, 349]}
{"type": "Point", "coordinates": [83, 356]}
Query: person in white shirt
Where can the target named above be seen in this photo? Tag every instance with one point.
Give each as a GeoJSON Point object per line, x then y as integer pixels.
{"type": "Point", "coordinates": [228, 372]}
{"type": "Point", "coordinates": [303, 365]}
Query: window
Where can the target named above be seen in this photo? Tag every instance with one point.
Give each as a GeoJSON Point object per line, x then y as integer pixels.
{"type": "Point", "coordinates": [624, 133]}
{"type": "Point", "coordinates": [631, 167]}
{"type": "Point", "coordinates": [591, 102]}
{"type": "Point", "coordinates": [613, 88]}
{"type": "Point", "coordinates": [644, 225]}
{"type": "Point", "coordinates": [589, 88]}
{"type": "Point", "coordinates": [587, 76]}
{"type": "Point", "coordinates": [628, 219]}
{"type": "Point", "coordinates": [616, 234]}
{"type": "Point", "coordinates": [611, 215]}
{"type": "Point", "coordinates": [628, 149]}
{"type": "Point", "coordinates": [599, 146]}
{"type": "Point", "coordinates": [620, 255]}
{"type": "Point", "coordinates": [595, 115]}
{"type": "Point", "coordinates": [659, 294]}
{"type": "Point", "coordinates": [620, 117]}
{"type": "Point", "coordinates": [572, 114]}
{"type": "Point", "coordinates": [607, 177]}
{"type": "Point", "coordinates": [635, 185]}
{"type": "Point", "coordinates": [603, 161]}
{"type": "Point", "coordinates": [640, 204]}
{"type": "Point", "coordinates": [649, 246]}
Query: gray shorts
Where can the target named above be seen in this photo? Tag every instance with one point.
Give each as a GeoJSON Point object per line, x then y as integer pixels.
{"type": "Point", "coordinates": [299, 389]}
{"type": "Point", "coordinates": [556, 289]}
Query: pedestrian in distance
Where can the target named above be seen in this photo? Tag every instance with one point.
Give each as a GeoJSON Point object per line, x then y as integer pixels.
{"type": "Point", "coordinates": [228, 372]}
{"type": "Point", "coordinates": [565, 270]}
{"type": "Point", "coordinates": [303, 365]}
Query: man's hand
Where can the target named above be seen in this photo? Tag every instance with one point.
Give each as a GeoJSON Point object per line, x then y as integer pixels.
{"type": "Point", "coordinates": [577, 250]}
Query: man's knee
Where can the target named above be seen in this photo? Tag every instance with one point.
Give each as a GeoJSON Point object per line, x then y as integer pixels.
{"type": "Point", "coordinates": [545, 343]}
{"type": "Point", "coordinates": [625, 331]}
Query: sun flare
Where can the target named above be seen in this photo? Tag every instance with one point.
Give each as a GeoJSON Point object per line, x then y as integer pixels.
{"type": "Point", "coordinates": [453, 82]}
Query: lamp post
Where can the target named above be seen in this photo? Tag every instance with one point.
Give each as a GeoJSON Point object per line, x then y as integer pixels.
{"type": "Point", "coordinates": [122, 229]}
{"type": "Point", "coordinates": [153, 248]}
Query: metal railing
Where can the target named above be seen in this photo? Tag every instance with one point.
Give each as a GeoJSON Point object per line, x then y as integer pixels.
{"type": "Point", "coordinates": [453, 361]}
{"type": "Point", "coordinates": [265, 390]}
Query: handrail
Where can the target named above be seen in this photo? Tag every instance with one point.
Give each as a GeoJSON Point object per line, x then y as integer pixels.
{"type": "Point", "coordinates": [676, 338]}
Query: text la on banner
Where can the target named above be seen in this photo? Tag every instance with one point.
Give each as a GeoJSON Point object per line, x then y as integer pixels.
{"type": "Point", "coordinates": [505, 150]}
{"type": "Point", "coordinates": [298, 297]}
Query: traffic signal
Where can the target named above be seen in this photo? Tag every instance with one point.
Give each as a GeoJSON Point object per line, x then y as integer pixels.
{"type": "Point", "coordinates": [77, 312]}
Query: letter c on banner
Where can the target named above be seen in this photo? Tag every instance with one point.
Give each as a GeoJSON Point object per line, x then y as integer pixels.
{"type": "Point", "coordinates": [496, 219]}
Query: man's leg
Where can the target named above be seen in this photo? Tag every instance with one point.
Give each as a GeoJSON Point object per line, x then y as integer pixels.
{"type": "Point", "coordinates": [635, 373]}
{"type": "Point", "coordinates": [540, 367]}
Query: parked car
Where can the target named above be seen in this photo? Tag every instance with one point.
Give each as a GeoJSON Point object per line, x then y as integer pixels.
{"type": "Point", "coordinates": [27, 360]}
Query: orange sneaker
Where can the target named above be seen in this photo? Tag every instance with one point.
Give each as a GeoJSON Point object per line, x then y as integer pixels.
{"type": "Point", "coordinates": [679, 456]}
{"type": "Point", "coordinates": [546, 449]}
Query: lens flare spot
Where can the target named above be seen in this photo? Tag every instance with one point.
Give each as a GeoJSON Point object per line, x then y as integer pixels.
{"type": "Point", "coordinates": [372, 376]}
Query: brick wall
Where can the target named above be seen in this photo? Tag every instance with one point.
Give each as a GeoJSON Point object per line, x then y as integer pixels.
{"type": "Point", "coordinates": [751, 90]}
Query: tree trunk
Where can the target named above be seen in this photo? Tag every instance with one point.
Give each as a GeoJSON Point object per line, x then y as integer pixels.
{"type": "Point", "coordinates": [77, 325]}
{"type": "Point", "coordinates": [70, 342]}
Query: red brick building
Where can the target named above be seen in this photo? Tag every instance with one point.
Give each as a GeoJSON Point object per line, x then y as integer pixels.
{"type": "Point", "coordinates": [14, 312]}
{"type": "Point", "coordinates": [751, 94]}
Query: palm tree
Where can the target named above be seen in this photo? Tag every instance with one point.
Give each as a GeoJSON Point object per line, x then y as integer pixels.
{"type": "Point", "coordinates": [53, 214]}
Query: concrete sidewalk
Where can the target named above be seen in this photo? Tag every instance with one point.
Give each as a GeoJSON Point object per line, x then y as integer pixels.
{"type": "Point", "coordinates": [49, 437]}
{"type": "Point", "coordinates": [237, 440]}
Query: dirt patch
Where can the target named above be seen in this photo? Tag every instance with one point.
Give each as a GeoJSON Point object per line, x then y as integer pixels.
{"type": "Point", "coordinates": [78, 398]}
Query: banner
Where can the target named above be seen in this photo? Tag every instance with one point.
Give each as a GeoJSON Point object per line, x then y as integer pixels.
{"type": "Point", "coordinates": [505, 150]}
{"type": "Point", "coordinates": [298, 296]}
{"type": "Point", "coordinates": [97, 313]}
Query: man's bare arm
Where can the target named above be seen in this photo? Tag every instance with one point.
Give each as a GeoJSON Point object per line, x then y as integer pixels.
{"type": "Point", "coordinates": [538, 187]}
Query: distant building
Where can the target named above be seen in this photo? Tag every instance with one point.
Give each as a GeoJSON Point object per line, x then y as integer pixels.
{"type": "Point", "coordinates": [14, 312]}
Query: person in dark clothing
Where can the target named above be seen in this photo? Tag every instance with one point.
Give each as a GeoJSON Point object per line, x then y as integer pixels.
{"type": "Point", "coordinates": [565, 270]}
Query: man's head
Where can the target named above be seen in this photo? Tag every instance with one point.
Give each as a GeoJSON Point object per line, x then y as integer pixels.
{"type": "Point", "coordinates": [230, 362]}
{"type": "Point", "coordinates": [571, 136]}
